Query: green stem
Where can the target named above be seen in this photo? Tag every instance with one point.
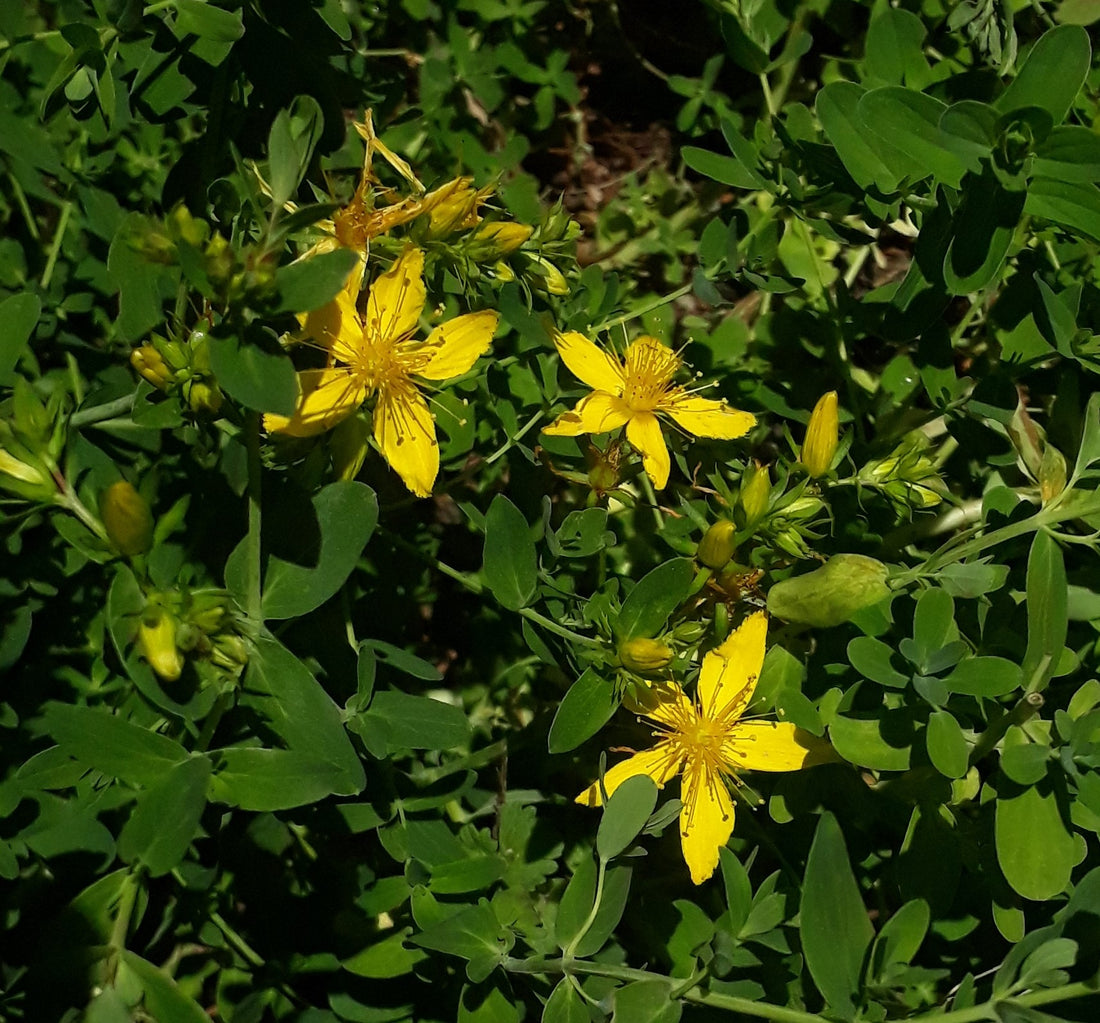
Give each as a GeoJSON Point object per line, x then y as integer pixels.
{"type": "Point", "coordinates": [254, 548]}
{"type": "Point", "coordinates": [503, 449]}
{"type": "Point", "coordinates": [55, 247]}
{"type": "Point", "coordinates": [68, 500]}
{"type": "Point", "coordinates": [642, 309]}
{"type": "Point", "coordinates": [559, 630]}
{"type": "Point", "coordinates": [571, 949]}
{"type": "Point", "coordinates": [213, 719]}
{"type": "Point", "coordinates": [101, 413]}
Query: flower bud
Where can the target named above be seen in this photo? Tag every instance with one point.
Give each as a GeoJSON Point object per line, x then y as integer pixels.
{"type": "Point", "coordinates": [496, 239]}
{"type": "Point", "coordinates": [157, 640]}
{"type": "Point", "coordinates": [644, 656]}
{"type": "Point", "coordinates": [453, 207]}
{"type": "Point", "coordinates": [822, 436]}
{"type": "Point", "coordinates": [756, 489]}
{"type": "Point", "coordinates": [151, 365]}
{"type": "Point", "coordinates": [550, 277]}
{"type": "Point", "coordinates": [203, 396]}
{"type": "Point", "coordinates": [717, 546]}
{"type": "Point", "coordinates": [127, 519]}
{"type": "Point", "coordinates": [831, 594]}
{"type": "Point", "coordinates": [1052, 473]}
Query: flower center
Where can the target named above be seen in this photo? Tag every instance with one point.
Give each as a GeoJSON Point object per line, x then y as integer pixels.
{"type": "Point", "coordinates": [648, 369]}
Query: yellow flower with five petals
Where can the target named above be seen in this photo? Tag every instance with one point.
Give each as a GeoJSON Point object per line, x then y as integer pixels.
{"type": "Point", "coordinates": [632, 392]}
{"type": "Point", "coordinates": [706, 742]}
{"type": "Point", "coordinates": [376, 354]}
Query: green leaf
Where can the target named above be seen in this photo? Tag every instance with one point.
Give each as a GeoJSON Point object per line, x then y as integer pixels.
{"type": "Point", "coordinates": [138, 281]}
{"type": "Point", "coordinates": [18, 318]}
{"type": "Point", "coordinates": [1035, 850]}
{"type": "Point", "coordinates": [290, 144]}
{"type": "Point", "coordinates": [386, 959]}
{"type": "Point", "coordinates": [471, 934]}
{"type": "Point", "coordinates": [894, 48]}
{"type": "Point", "coordinates": [646, 1001]}
{"type": "Point", "coordinates": [565, 1005]}
{"type": "Point", "coordinates": [883, 743]}
{"type": "Point", "coordinates": [166, 817]}
{"type": "Point", "coordinates": [947, 746]}
{"type": "Point", "coordinates": [984, 676]}
{"type": "Point", "coordinates": [417, 722]}
{"type": "Point", "coordinates": [1053, 73]}
{"type": "Point", "coordinates": [982, 231]}
{"type": "Point", "coordinates": [401, 660]}
{"type": "Point", "coordinates": [265, 780]}
{"type": "Point", "coordinates": [255, 371]}
{"type": "Point", "coordinates": [583, 711]}
{"type": "Point", "coordinates": [204, 19]}
{"type": "Point", "coordinates": [576, 902]}
{"type": "Point", "coordinates": [653, 599]}
{"type": "Point", "coordinates": [1073, 205]}
{"type": "Point", "coordinates": [112, 744]}
{"type": "Point", "coordinates": [1025, 763]}
{"type": "Point", "coordinates": [284, 691]}
{"type": "Point", "coordinates": [901, 937]}
{"type": "Point", "coordinates": [738, 888]}
{"type": "Point", "coordinates": [164, 1001]}
{"type": "Point", "coordinates": [933, 624]}
{"type": "Point", "coordinates": [727, 170]}
{"type": "Point", "coordinates": [624, 815]}
{"type": "Point", "coordinates": [1089, 452]}
{"type": "Point", "coordinates": [878, 164]}
{"type": "Point", "coordinates": [836, 931]}
{"type": "Point", "coordinates": [511, 560]}
{"type": "Point", "coordinates": [616, 891]}
{"type": "Point", "coordinates": [1047, 611]}
{"type": "Point", "coordinates": [1069, 153]}
{"type": "Point", "coordinates": [872, 659]}
{"type": "Point", "coordinates": [346, 514]}
{"type": "Point", "coordinates": [311, 283]}
{"type": "Point", "coordinates": [910, 121]}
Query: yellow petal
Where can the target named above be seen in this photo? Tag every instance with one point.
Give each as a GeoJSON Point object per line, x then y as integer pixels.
{"type": "Point", "coordinates": [706, 821]}
{"type": "Point", "coordinates": [774, 746]}
{"type": "Point", "coordinates": [589, 363]}
{"type": "Point", "coordinates": [335, 327]}
{"type": "Point", "coordinates": [458, 343]}
{"type": "Point", "coordinates": [665, 703]}
{"type": "Point", "coordinates": [597, 412]}
{"type": "Point", "coordinates": [397, 297]}
{"type": "Point", "coordinates": [405, 432]}
{"type": "Point", "coordinates": [644, 432]}
{"type": "Point", "coordinates": [704, 417]}
{"type": "Point", "coordinates": [730, 671]}
{"type": "Point", "coordinates": [660, 763]}
{"type": "Point", "coordinates": [325, 396]}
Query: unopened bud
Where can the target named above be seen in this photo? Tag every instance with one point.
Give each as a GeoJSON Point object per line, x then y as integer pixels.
{"type": "Point", "coordinates": [453, 207]}
{"type": "Point", "coordinates": [491, 241]}
{"type": "Point", "coordinates": [127, 518]}
{"type": "Point", "coordinates": [203, 397]}
{"type": "Point", "coordinates": [152, 366]}
{"type": "Point", "coordinates": [644, 656]}
{"type": "Point", "coordinates": [717, 546]}
{"type": "Point", "coordinates": [1052, 473]}
{"type": "Point", "coordinates": [157, 639]}
{"type": "Point", "coordinates": [550, 277]}
{"type": "Point", "coordinates": [756, 489]}
{"type": "Point", "coordinates": [831, 594]}
{"type": "Point", "coordinates": [822, 436]}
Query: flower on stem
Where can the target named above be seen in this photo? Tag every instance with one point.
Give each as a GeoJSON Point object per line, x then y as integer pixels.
{"type": "Point", "coordinates": [632, 392]}
{"type": "Point", "coordinates": [375, 354]}
{"type": "Point", "coordinates": [705, 741]}
{"type": "Point", "coordinates": [822, 436]}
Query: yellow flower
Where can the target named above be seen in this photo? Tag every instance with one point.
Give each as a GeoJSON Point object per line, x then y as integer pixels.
{"type": "Point", "coordinates": [822, 436]}
{"type": "Point", "coordinates": [632, 392]}
{"type": "Point", "coordinates": [706, 742]}
{"type": "Point", "coordinates": [376, 354]}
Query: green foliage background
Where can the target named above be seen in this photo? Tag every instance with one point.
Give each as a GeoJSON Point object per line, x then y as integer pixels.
{"type": "Point", "coordinates": [355, 803]}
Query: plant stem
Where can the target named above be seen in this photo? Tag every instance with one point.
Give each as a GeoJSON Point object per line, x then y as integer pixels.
{"type": "Point", "coordinates": [101, 413]}
{"type": "Point", "coordinates": [255, 550]}
{"type": "Point", "coordinates": [55, 247]}
{"type": "Point", "coordinates": [642, 309]}
{"type": "Point", "coordinates": [551, 626]}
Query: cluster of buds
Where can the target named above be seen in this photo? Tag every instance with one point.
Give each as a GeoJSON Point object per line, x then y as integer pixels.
{"type": "Point", "coordinates": [791, 524]}
{"type": "Point", "coordinates": [180, 365]}
{"type": "Point", "coordinates": [175, 627]}
{"type": "Point", "coordinates": [907, 477]}
{"type": "Point", "coordinates": [32, 438]}
{"type": "Point", "coordinates": [223, 274]}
